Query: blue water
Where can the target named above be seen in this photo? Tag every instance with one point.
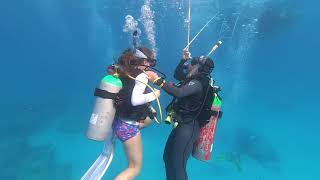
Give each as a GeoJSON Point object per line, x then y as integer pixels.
{"type": "Point", "coordinates": [54, 53]}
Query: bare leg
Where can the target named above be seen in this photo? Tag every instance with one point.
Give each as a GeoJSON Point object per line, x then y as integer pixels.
{"type": "Point", "coordinates": [133, 148]}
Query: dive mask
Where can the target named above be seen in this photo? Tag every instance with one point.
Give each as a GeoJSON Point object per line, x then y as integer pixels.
{"type": "Point", "coordinates": [141, 56]}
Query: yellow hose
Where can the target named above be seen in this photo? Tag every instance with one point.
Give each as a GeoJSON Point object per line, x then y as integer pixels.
{"type": "Point", "coordinates": [152, 89]}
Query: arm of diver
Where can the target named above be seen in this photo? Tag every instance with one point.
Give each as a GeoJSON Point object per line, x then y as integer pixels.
{"type": "Point", "coordinates": [138, 97]}
{"type": "Point", "coordinates": [192, 87]}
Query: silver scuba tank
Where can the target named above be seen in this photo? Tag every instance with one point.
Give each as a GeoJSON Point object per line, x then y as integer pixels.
{"type": "Point", "coordinates": [100, 124]}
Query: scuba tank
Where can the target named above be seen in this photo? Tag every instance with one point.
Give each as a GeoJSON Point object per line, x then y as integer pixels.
{"type": "Point", "coordinates": [100, 124]}
{"type": "Point", "coordinates": [203, 146]}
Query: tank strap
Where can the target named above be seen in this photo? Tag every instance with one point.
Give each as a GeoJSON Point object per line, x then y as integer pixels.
{"type": "Point", "coordinates": [104, 94]}
{"type": "Point", "coordinates": [216, 113]}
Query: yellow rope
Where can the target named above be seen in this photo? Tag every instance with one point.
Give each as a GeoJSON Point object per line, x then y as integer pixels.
{"type": "Point", "coordinates": [152, 89]}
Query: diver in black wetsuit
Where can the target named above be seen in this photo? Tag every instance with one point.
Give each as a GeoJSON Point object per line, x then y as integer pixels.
{"type": "Point", "coordinates": [188, 100]}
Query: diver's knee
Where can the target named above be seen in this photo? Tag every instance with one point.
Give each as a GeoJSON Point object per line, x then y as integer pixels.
{"type": "Point", "coordinates": [136, 171]}
{"type": "Point", "coordinates": [136, 167]}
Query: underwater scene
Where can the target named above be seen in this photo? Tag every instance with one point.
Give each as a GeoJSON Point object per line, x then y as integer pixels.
{"type": "Point", "coordinates": [54, 53]}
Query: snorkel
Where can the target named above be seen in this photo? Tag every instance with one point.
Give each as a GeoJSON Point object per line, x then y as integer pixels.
{"type": "Point", "coordinates": [135, 39]}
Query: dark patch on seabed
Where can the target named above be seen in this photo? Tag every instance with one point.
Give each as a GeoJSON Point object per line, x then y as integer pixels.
{"type": "Point", "coordinates": [21, 120]}
{"type": "Point", "coordinates": [24, 161]}
{"type": "Point", "coordinates": [247, 143]}
{"type": "Point", "coordinates": [257, 147]}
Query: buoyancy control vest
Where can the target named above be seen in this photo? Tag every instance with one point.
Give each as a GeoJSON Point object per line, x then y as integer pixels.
{"type": "Point", "coordinates": [196, 106]}
{"type": "Point", "coordinates": [125, 109]}
{"type": "Point", "coordinates": [189, 106]}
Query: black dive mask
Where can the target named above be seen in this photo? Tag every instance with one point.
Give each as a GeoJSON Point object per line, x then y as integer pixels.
{"type": "Point", "coordinates": [152, 62]}
{"type": "Point", "coordinates": [194, 61]}
{"type": "Point", "coordinates": [200, 62]}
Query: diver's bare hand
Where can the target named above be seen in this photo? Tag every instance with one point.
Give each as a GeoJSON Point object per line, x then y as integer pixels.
{"type": "Point", "coordinates": [186, 54]}
{"type": "Point", "coordinates": [152, 75]}
{"type": "Point", "coordinates": [144, 123]}
{"type": "Point", "coordinates": [157, 93]}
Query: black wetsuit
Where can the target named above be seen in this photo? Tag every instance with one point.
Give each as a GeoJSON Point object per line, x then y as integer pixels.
{"type": "Point", "coordinates": [189, 97]}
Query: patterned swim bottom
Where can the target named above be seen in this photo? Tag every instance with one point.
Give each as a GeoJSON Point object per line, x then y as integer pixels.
{"type": "Point", "coordinates": [125, 130]}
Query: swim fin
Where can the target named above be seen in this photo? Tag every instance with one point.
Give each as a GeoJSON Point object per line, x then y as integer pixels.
{"type": "Point", "coordinates": [100, 166]}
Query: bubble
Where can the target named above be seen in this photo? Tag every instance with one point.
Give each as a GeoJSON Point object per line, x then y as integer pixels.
{"type": "Point", "coordinates": [130, 25]}
{"type": "Point", "coordinates": [147, 19]}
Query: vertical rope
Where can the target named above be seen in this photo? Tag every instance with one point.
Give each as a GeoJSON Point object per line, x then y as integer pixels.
{"type": "Point", "coordinates": [189, 19]}
{"type": "Point", "coordinates": [207, 23]}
